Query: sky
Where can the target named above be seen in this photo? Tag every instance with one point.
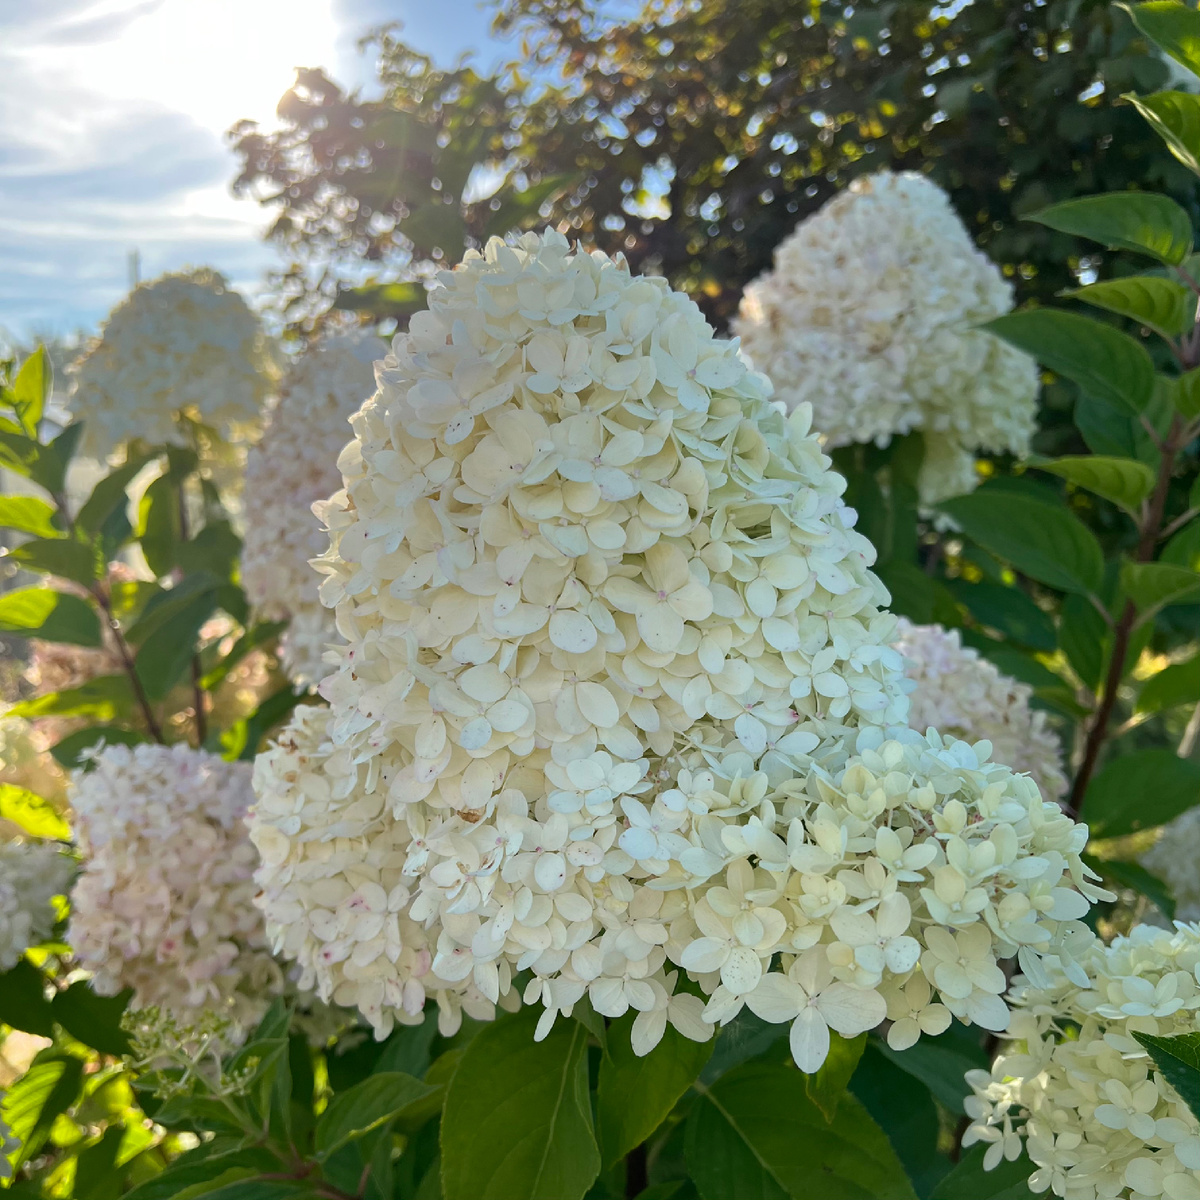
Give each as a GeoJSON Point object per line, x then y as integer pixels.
{"type": "Point", "coordinates": [112, 121]}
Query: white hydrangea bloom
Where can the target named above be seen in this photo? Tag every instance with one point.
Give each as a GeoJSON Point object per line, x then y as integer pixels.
{"type": "Point", "coordinates": [962, 695]}
{"type": "Point", "coordinates": [31, 875]}
{"type": "Point", "coordinates": [164, 902]}
{"type": "Point", "coordinates": [1175, 858]}
{"type": "Point", "coordinates": [294, 465]}
{"type": "Point", "coordinates": [181, 344]}
{"type": "Point", "coordinates": [1079, 1091]}
{"type": "Point", "coordinates": [610, 639]}
{"type": "Point", "coordinates": [868, 316]}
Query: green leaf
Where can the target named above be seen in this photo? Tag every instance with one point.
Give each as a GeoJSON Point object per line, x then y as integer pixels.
{"type": "Point", "coordinates": [62, 557]}
{"type": "Point", "coordinates": [158, 527]}
{"type": "Point", "coordinates": [42, 612]}
{"type": "Point", "coordinates": [1103, 361]}
{"type": "Point", "coordinates": [1043, 541]}
{"type": "Point", "coordinates": [969, 1181]}
{"type": "Point", "coordinates": [1140, 221]}
{"type": "Point", "coordinates": [1156, 585]}
{"type": "Point", "coordinates": [1140, 790]}
{"type": "Point", "coordinates": [110, 494]}
{"type": "Point", "coordinates": [1183, 548]}
{"type": "Point", "coordinates": [1178, 1061]}
{"type": "Point", "coordinates": [28, 810]}
{"type": "Point", "coordinates": [1108, 430]}
{"type": "Point", "coordinates": [1124, 481]}
{"type": "Point", "coordinates": [23, 1003]}
{"type": "Point", "coordinates": [258, 635]}
{"type": "Point", "coordinates": [827, 1087]}
{"type": "Point", "coordinates": [105, 698]}
{"type": "Point", "coordinates": [1008, 610]}
{"type": "Point", "coordinates": [755, 1135]}
{"type": "Point", "coordinates": [48, 1088]}
{"type": "Point", "coordinates": [907, 1114]}
{"type": "Point", "coordinates": [69, 752]}
{"type": "Point", "coordinates": [383, 299]}
{"type": "Point", "coordinates": [166, 654]}
{"type": "Point", "coordinates": [1085, 639]}
{"type": "Point", "coordinates": [940, 1063]}
{"type": "Point", "coordinates": [31, 389]}
{"type": "Point", "coordinates": [1185, 394]}
{"type": "Point", "coordinates": [1164, 305]}
{"type": "Point", "coordinates": [1134, 876]}
{"type": "Point", "coordinates": [1172, 686]}
{"type": "Point", "coordinates": [166, 604]}
{"type": "Point", "coordinates": [635, 1095]}
{"type": "Point", "coordinates": [1175, 117]}
{"type": "Point", "coordinates": [28, 514]}
{"type": "Point", "coordinates": [201, 1166]}
{"type": "Point", "coordinates": [1172, 27]}
{"type": "Point", "coordinates": [518, 1118]}
{"type": "Point", "coordinates": [94, 1020]}
{"type": "Point", "coordinates": [215, 549]}
{"type": "Point", "coordinates": [377, 1100]}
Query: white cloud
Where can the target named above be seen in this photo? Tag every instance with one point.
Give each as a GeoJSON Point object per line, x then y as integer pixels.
{"type": "Point", "coordinates": [112, 115]}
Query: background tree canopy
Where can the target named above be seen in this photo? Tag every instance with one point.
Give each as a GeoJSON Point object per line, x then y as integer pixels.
{"type": "Point", "coordinates": [694, 136]}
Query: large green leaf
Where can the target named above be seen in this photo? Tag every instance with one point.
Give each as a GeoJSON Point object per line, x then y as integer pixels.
{"type": "Point", "coordinates": [941, 1062]}
{"type": "Point", "coordinates": [1085, 638]}
{"type": "Point", "coordinates": [518, 1118]}
{"type": "Point", "coordinates": [165, 655]}
{"type": "Point", "coordinates": [635, 1095]}
{"type": "Point", "coordinates": [1178, 1060]}
{"type": "Point", "coordinates": [969, 1181]}
{"type": "Point", "coordinates": [31, 389]}
{"type": "Point", "coordinates": [1007, 609]}
{"type": "Point", "coordinates": [42, 612]}
{"type": "Point", "coordinates": [1103, 361]}
{"type": "Point", "coordinates": [756, 1135]}
{"type": "Point", "coordinates": [827, 1086]}
{"type": "Point", "coordinates": [109, 494]}
{"type": "Point", "coordinates": [23, 1003]}
{"type": "Point", "coordinates": [158, 529]}
{"type": "Point", "coordinates": [28, 514]}
{"type": "Point", "coordinates": [380, 1098]}
{"type": "Point", "coordinates": [1164, 305]}
{"type": "Point", "coordinates": [29, 811]}
{"type": "Point", "coordinates": [1175, 117]}
{"type": "Point", "coordinates": [1183, 549]}
{"type": "Point", "coordinates": [1140, 790]}
{"type": "Point", "coordinates": [105, 698]}
{"type": "Point", "coordinates": [1177, 684]}
{"type": "Point", "coordinates": [48, 1088]}
{"type": "Point", "coordinates": [70, 751]}
{"type": "Point", "coordinates": [905, 1110]}
{"type": "Point", "coordinates": [1141, 221]}
{"type": "Point", "coordinates": [1156, 585]}
{"type": "Point", "coordinates": [63, 557]}
{"type": "Point", "coordinates": [1171, 26]}
{"type": "Point", "coordinates": [384, 299]}
{"type": "Point", "coordinates": [1043, 541]}
{"type": "Point", "coordinates": [1134, 876]}
{"type": "Point", "coordinates": [1124, 481]}
{"type": "Point", "coordinates": [94, 1020]}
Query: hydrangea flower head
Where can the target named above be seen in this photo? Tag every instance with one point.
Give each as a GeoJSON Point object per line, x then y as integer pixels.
{"type": "Point", "coordinates": [181, 345]}
{"type": "Point", "coordinates": [610, 632]}
{"type": "Point", "coordinates": [32, 874]}
{"type": "Point", "coordinates": [1078, 1090]}
{"type": "Point", "coordinates": [1175, 858]}
{"type": "Point", "coordinates": [294, 465]}
{"type": "Point", "coordinates": [961, 694]}
{"type": "Point", "coordinates": [868, 315]}
{"type": "Point", "coordinates": [164, 902]}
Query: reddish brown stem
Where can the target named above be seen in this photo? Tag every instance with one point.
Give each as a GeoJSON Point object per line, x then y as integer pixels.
{"type": "Point", "coordinates": [1148, 533]}
{"type": "Point", "coordinates": [114, 627]}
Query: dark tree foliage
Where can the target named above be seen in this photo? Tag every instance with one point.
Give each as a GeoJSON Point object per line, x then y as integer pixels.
{"type": "Point", "coordinates": [694, 137]}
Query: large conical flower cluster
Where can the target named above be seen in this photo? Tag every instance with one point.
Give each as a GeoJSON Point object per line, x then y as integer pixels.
{"type": "Point", "coordinates": [184, 345]}
{"type": "Point", "coordinates": [164, 903]}
{"type": "Point", "coordinates": [1079, 1092]}
{"type": "Point", "coordinates": [611, 644]}
{"type": "Point", "coordinates": [869, 315]}
{"type": "Point", "coordinates": [962, 695]}
{"type": "Point", "coordinates": [294, 465]}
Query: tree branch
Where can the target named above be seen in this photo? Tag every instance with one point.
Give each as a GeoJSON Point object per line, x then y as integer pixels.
{"type": "Point", "coordinates": [114, 627]}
